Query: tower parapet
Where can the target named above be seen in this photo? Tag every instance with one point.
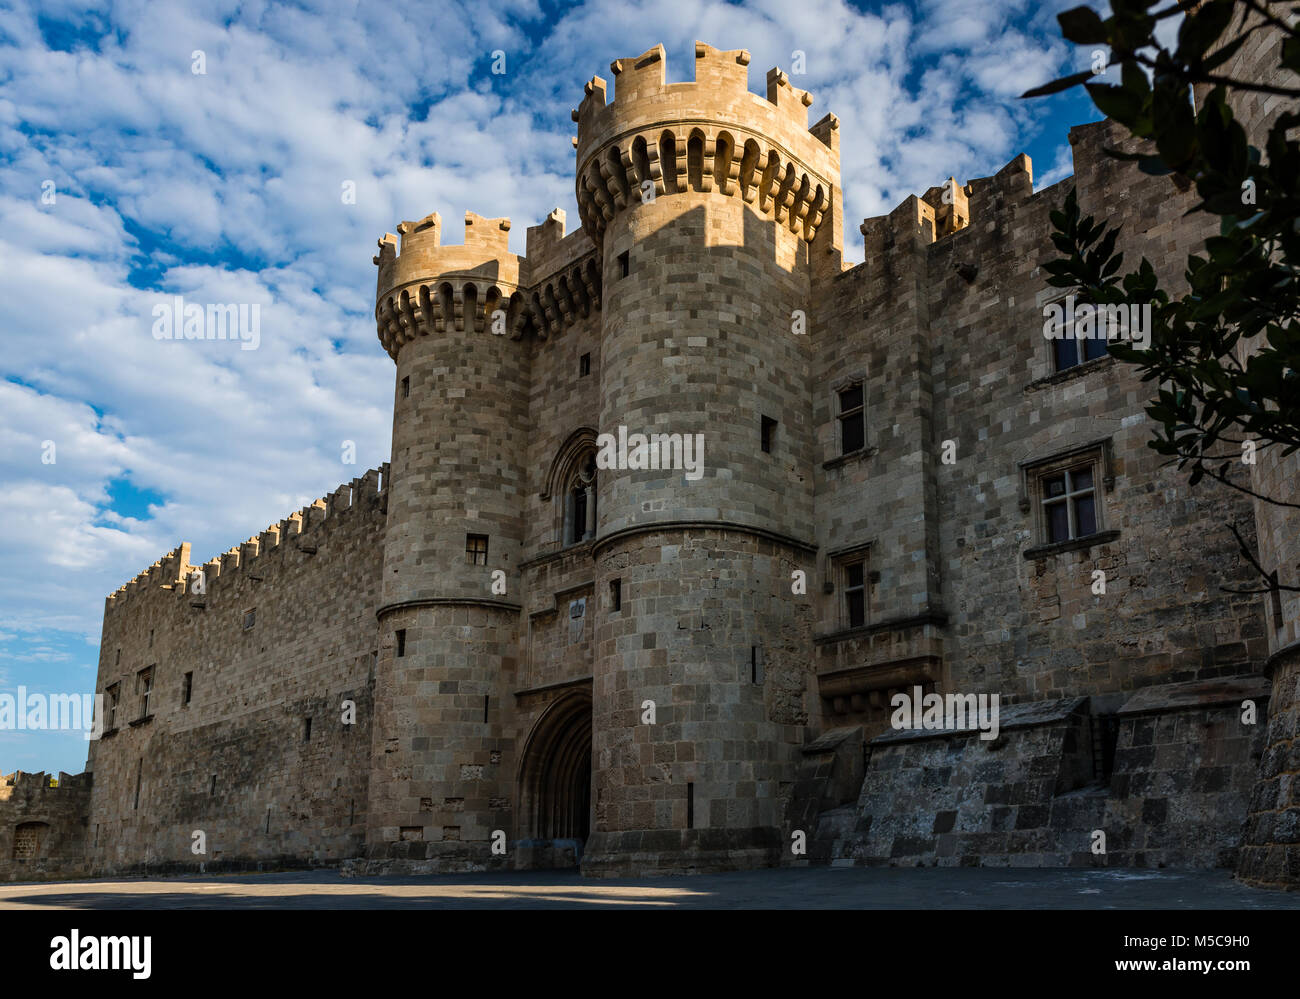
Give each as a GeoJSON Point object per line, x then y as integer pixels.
{"type": "Point", "coordinates": [711, 134]}
{"type": "Point", "coordinates": [425, 287]}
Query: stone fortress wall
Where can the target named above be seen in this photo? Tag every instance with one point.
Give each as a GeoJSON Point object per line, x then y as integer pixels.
{"type": "Point", "coordinates": [500, 614]}
{"type": "Point", "coordinates": [243, 737]}
{"type": "Point", "coordinates": [43, 822]}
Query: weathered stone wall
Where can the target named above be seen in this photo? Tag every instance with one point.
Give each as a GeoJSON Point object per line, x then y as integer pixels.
{"type": "Point", "coordinates": [1024, 615]}
{"type": "Point", "coordinates": [1184, 767]}
{"type": "Point", "coordinates": [710, 635]}
{"type": "Point", "coordinates": [1271, 854]}
{"type": "Point", "coordinates": [43, 828]}
{"type": "Point", "coordinates": [442, 757]}
{"type": "Point", "coordinates": [239, 763]}
{"type": "Point", "coordinates": [1186, 762]}
{"type": "Point", "coordinates": [953, 351]}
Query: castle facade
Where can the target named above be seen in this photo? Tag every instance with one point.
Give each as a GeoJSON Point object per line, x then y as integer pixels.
{"type": "Point", "coordinates": [678, 503]}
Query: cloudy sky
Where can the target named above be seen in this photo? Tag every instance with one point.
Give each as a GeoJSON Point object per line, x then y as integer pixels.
{"type": "Point", "coordinates": [127, 178]}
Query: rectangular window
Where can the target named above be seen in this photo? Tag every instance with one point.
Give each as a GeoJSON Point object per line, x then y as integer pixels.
{"type": "Point", "coordinates": [250, 618]}
{"type": "Point", "coordinates": [476, 549]}
{"type": "Point", "coordinates": [212, 787]}
{"type": "Point", "coordinates": [151, 638]}
{"type": "Point", "coordinates": [616, 595]}
{"type": "Point", "coordinates": [111, 696]}
{"type": "Point", "coordinates": [401, 642]}
{"type": "Point", "coordinates": [1069, 351]}
{"type": "Point", "coordinates": [139, 781]}
{"type": "Point", "coordinates": [624, 263]}
{"type": "Point", "coordinates": [852, 417]}
{"type": "Point", "coordinates": [755, 665]}
{"type": "Point", "coordinates": [578, 522]}
{"type": "Point", "coordinates": [1069, 504]}
{"type": "Point", "coordinates": [118, 662]}
{"type": "Point", "coordinates": [143, 688]}
{"type": "Point", "coordinates": [187, 689]}
{"type": "Point", "coordinates": [486, 701]}
{"type": "Point", "coordinates": [306, 729]}
{"type": "Point", "coordinates": [855, 594]}
{"type": "Point", "coordinates": [690, 806]}
{"type": "Point", "coordinates": [584, 365]}
{"type": "Point", "coordinates": [1066, 352]}
{"type": "Point", "coordinates": [768, 434]}
{"type": "Point", "coordinates": [406, 387]}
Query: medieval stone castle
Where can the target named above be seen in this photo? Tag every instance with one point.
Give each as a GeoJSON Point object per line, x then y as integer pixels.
{"type": "Point", "coordinates": [499, 651]}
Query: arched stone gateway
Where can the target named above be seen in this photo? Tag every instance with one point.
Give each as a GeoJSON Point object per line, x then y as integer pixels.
{"type": "Point", "coordinates": [555, 785]}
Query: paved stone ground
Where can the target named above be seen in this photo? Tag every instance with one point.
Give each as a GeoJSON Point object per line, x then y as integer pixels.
{"type": "Point", "coordinates": [809, 888]}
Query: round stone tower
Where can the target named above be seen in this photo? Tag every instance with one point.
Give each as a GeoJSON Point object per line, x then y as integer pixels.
{"type": "Point", "coordinates": [449, 317]}
{"type": "Point", "coordinates": [707, 204]}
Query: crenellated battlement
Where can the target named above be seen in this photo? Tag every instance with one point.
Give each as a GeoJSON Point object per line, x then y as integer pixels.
{"type": "Point", "coordinates": [945, 210]}
{"type": "Point", "coordinates": [652, 139]}
{"type": "Point", "coordinates": [21, 780]}
{"type": "Point", "coordinates": [426, 288]}
{"type": "Point", "coordinates": [303, 529]}
{"type": "Point", "coordinates": [990, 204]}
{"type": "Point", "coordinates": [710, 135]}
{"type": "Point", "coordinates": [720, 88]}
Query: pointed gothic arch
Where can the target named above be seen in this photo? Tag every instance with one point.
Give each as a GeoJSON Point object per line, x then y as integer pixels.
{"type": "Point", "coordinates": [555, 772]}
{"type": "Point", "coordinates": [571, 486]}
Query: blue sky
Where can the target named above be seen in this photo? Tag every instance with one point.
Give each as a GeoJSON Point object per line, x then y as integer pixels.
{"type": "Point", "coordinates": [226, 187]}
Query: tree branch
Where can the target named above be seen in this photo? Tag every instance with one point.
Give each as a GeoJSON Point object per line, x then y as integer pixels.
{"type": "Point", "coordinates": [1273, 584]}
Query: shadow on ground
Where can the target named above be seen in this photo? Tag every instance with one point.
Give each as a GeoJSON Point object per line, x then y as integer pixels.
{"type": "Point", "coordinates": [806, 888]}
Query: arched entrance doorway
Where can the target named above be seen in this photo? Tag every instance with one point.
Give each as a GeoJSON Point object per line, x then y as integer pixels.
{"type": "Point", "coordinates": [555, 784]}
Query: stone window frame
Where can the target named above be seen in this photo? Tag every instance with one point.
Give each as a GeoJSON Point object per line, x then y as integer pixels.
{"type": "Point", "coordinates": [249, 619]}
{"type": "Point", "coordinates": [1099, 454]}
{"type": "Point", "coordinates": [581, 482]}
{"type": "Point", "coordinates": [1044, 371]}
{"type": "Point", "coordinates": [476, 545]}
{"type": "Point", "coordinates": [1080, 358]}
{"type": "Point", "coordinates": [836, 572]}
{"type": "Point", "coordinates": [840, 456]}
{"type": "Point", "coordinates": [144, 681]}
{"type": "Point", "coordinates": [112, 698]}
{"type": "Point", "coordinates": [576, 455]}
